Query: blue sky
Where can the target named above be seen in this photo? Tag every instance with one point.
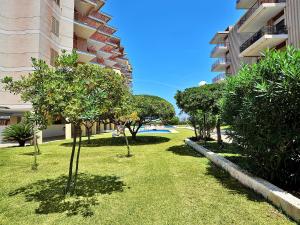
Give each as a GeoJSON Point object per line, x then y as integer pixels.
{"type": "Point", "coordinates": [167, 41]}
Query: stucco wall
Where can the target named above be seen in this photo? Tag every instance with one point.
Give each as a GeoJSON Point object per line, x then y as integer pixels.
{"type": "Point", "coordinates": [25, 32]}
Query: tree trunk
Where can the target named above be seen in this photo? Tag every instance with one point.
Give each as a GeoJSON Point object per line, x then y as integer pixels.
{"type": "Point", "coordinates": [21, 143]}
{"type": "Point", "coordinates": [195, 130]}
{"type": "Point", "coordinates": [88, 129]}
{"type": "Point", "coordinates": [72, 159]}
{"type": "Point", "coordinates": [196, 134]}
{"type": "Point", "coordinates": [77, 160]}
{"type": "Point", "coordinates": [205, 128]}
{"type": "Point", "coordinates": [34, 165]}
{"type": "Point", "coordinates": [127, 144]}
{"type": "Point", "coordinates": [219, 135]}
{"type": "Point", "coordinates": [133, 134]}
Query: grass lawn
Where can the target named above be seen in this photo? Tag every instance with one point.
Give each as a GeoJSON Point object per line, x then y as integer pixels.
{"type": "Point", "coordinates": [165, 182]}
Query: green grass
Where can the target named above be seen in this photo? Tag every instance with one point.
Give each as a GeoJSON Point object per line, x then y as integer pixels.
{"type": "Point", "coordinates": [165, 182]}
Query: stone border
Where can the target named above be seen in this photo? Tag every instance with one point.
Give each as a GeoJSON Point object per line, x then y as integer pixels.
{"type": "Point", "coordinates": [280, 198]}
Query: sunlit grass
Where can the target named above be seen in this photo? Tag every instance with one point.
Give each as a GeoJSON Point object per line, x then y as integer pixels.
{"type": "Point", "coordinates": [165, 182]}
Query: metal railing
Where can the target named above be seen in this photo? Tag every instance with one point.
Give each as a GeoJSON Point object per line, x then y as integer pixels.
{"type": "Point", "coordinates": [250, 11]}
{"type": "Point", "coordinates": [221, 61]}
{"type": "Point", "coordinates": [265, 30]}
{"type": "Point", "coordinates": [219, 45]}
{"type": "Point", "coordinates": [220, 77]}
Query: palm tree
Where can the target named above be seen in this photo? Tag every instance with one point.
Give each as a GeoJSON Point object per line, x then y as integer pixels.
{"type": "Point", "coordinates": [20, 133]}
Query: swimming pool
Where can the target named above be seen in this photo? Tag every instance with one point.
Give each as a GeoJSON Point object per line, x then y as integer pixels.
{"type": "Point", "coordinates": [154, 131]}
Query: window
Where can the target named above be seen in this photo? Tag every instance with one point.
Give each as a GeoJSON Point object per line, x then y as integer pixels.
{"type": "Point", "coordinates": [53, 56]}
{"type": "Point", "coordinates": [57, 2]}
{"type": "Point", "coordinates": [55, 26]}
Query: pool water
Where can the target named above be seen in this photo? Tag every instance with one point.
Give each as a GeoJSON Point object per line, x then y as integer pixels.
{"type": "Point", "coordinates": [154, 131]}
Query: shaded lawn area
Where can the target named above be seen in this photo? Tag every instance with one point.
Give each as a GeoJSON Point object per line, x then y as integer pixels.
{"type": "Point", "coordinates": [234, 153]}
{"type": "Point", "coordinates": [165, 182]}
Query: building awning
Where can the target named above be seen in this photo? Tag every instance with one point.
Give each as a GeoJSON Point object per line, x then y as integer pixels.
{"type": "Point", "coordinates": [14, 110]}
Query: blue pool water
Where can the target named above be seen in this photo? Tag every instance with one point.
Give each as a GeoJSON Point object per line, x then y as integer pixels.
{"type": "Point", "coordinates": [154, 131]}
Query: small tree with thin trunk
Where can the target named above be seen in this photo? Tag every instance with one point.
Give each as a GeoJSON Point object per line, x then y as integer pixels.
{"type": "Point", "coordinates": [75, 92]}
{"type": "Point", "coordinates": [202, 105]}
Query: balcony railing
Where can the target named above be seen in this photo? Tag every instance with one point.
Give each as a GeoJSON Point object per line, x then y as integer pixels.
{"type": "Point", "coordinates": [264, 31]}
{"type": "Point", "coordinates": [224, 61]}
{"type": "Point", "coordinates": [220, 77]}
{"type": "Point", "coordinates": [219, 45]}
{"type": "Point", "coordinates": [86, 20]}
{"type": "Point", "coordinates": [250, 11]}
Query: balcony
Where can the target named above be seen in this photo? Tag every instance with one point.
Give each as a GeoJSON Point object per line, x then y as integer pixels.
{"type": "Point", "coordinates": [86, 6]}
{"type": "Point", "coordinates": [220, 65]}
{"type": "Point", "coordinates": [221, 77]}
{"type": "Point", "coordinates": [100, 16]}
{"type": "Point", "coordinates": [109, 63]}
{"type": "Point", "coordinates": [267, 37]}
{"type": "Point", "coordinates": [82, 27]}
{"type": "Point", "coordinates": [220, 50]}
{"type": "Point", "coordinates": [85, 54]}
{"type": "Point", "coordinates": [96, 44]}
{"type": "Point", "coordinates": [259, 14]}
{"type": "Point", "coordinates": [104, 54]}
{"type": "Point", "coordinates": [219, 37]}
{"type": "Point", "coordinates": [244, 4]}
{"type": "Point", "coordinates": [122, 60]}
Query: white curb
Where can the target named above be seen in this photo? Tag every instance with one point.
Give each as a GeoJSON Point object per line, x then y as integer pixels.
{"type": "Point", "coordinates": [282, 199]}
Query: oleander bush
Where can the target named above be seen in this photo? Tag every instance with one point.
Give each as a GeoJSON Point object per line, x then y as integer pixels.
{"type": "Point", "coordinates": [262, 106]}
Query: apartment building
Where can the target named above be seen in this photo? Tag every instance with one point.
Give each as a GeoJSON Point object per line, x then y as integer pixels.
{"type": "Point", "coordinates": [266, 24]}
{"type": "Point", "coordinates": [42, 29]}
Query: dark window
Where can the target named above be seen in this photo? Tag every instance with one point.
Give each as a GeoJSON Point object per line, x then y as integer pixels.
{"type": "Point", "coordinates": [55, 26]}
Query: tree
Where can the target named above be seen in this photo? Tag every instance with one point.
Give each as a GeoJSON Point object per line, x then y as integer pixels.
{"type": "Point", "coordinates": [174, 121]}
{"type": "Point", "coordinates": [149, 108]}
{"type": "Point", "coordinates": [202, 106]}
{"type": "Point", "coordinates": [32, 90]}
{"type": "Point", "coordinates": [78, 93]}
{"type": "Point", "coordinates": [261, 104]}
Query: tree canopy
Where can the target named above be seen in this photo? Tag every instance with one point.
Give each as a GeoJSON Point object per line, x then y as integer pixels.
{"type": "Point", "coordinates": [149, 108]}
{"type": "Point", "coordinates": [261, 104]}
{"type": "Point", "coordinates": [77, 93]}
{"type": "Point", "coordinates": [202, 106]}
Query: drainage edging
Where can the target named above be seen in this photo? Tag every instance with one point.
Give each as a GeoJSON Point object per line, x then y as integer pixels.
{"type": "Point", "coordinates": [282, 199]}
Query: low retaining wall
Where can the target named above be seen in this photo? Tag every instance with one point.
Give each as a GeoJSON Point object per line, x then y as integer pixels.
{"type": "Point", "coordinates": [280, 198]}
{"type": "Point", "coordinates": [54, 130]}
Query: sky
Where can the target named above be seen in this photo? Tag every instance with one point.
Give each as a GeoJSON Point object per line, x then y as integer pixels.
{"type": "Point", "coordinates": [167, 41]}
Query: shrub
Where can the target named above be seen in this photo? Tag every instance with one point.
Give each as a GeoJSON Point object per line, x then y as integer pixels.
{"type": "Point", "coordinates": [174, 121]}
{"type": "Point", "coordinates": [20, 133]}
{"type": "Point", "coordinates": [262, 106]}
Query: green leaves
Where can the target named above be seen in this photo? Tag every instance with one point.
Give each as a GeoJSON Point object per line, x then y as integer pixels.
{"type": "Point", "coordinates": [153, 107]}
{"type": "Point", "coordinates": [20, 133]}
{"type": "Point", "coordinates": [262, 106]}
{"type": "Point", "coordinates": [74, 92]}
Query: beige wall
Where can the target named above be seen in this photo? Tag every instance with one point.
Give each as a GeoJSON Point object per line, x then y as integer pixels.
{"type": "Point", "coordinates": [235, 41]}
{"type": "Point", "coordinates": [25, 32]}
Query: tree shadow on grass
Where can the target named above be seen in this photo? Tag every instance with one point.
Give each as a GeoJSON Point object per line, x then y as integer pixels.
{"type": "Point", "coordinates": [50, 195]}
{"type": "Point", "coordinates": [30, 153]}
{"type": "Point", "coordinates": [230, 183]}
{"type": "Point", "coordinates": [184, 150]}
{"type": "Point", "coordinates": [119, 141]}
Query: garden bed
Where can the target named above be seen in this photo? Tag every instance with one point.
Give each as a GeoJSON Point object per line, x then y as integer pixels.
{"type": "Point", "coordinates": [234, 153]}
